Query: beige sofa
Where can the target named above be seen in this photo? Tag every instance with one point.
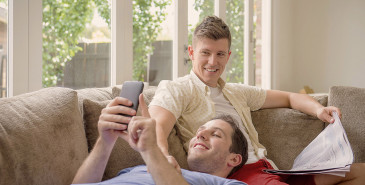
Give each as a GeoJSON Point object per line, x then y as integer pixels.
{"type": "Point", "coordinates": [46, 135]}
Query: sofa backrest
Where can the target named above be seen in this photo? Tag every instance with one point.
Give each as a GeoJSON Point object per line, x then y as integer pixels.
{"type": "Point", "coordinates": [42, 138]}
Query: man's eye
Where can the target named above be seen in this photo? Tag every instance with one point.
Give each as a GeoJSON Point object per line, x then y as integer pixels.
{"type": "Point", "coordinates": [221, 54]}
{"type": "Point", "coordinates": [205, 53]}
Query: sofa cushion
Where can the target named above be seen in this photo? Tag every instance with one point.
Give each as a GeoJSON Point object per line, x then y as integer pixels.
{"type": "Point", "coordinates": [351, 102]}
{"type": "Point", "coordinates": [42, 138]}
{"type": "Point", "coordinates": [122, 156]}
{"type": "Point", "coordinates": [285, 133]}
{"type": "Point", "coordinates": [97, 94]}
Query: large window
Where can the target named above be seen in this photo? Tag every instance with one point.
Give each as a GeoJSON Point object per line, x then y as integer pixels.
{"type": "Point", "coordinates": [76, 43]}
{"type": "Point", "coordinates": [152, 40]}
{"type": "Point", "coordinates": [235, 21]}
{"type": "Point", "coordinates": [98, 43]}
{"type": "Point", "coordinates": [3, 47]}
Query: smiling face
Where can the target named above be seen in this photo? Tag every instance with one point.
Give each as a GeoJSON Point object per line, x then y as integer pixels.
{"type": "Point", "coordinates": [209, 149]}
{"type": "Point", "coordinates": [209, 58]}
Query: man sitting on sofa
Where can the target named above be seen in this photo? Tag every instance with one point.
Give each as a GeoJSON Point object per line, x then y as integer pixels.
{"type": "Point", "coordinates": [218, 149]}
{"type": "Point", "coordinates": [188, 102]}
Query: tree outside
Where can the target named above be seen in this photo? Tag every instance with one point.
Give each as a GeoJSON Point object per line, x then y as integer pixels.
{"type": "Point", "coordinates": [65, 20]}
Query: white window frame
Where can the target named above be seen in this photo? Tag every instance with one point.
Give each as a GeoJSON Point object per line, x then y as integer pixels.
{"type": "Point", "coordinates": [122, 41]}
{"type": "Point", "coordinates": [25, 43]}
{"type": "Point", "coordinates": [25, 46]}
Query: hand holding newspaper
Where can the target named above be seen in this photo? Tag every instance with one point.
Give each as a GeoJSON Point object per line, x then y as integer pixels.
{"type": "Point", "coordinates": [329, 153]}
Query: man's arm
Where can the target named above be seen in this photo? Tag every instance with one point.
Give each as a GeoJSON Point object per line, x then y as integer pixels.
{"type": "Point", "coordinates": [165, 121]}
{"type": "Point", "coordinates": [93, 167]}
{"type": "Point", "coordinates": [301, 102]}
{"type": "Point", "coordinates": [142, 137]}
{"type": "Point", "coordinates": [110, 129]}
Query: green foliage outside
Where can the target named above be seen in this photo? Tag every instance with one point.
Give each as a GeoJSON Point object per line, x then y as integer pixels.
{"type": "Point", "coordinates": [234, 19]}
{"type": "Point", "coordinates": [146, 27]}
{"type": "Point", "coordinates": [4, 1]}
{"type": "Point", "coordinates": [64, 21]}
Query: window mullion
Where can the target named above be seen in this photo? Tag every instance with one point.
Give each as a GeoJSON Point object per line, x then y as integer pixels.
{"type": "Point", "coordinates": [122, 41]}
{"type": "Point", "coordinates": [180, 40]}
{"type": "Point", "coordinates": [220, 9]}
{"type": "Point", "coordinates": [249, 68]}
{"type": "Point", "coordinates": [266, 74]}
{"type": "Point", "coordinates": [25, 47]}
{"type": "Point", "coordinates": [35, 45]}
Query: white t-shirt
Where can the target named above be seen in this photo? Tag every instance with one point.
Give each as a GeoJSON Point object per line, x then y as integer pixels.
{"type": "Point", "coordinates": [223, 106]}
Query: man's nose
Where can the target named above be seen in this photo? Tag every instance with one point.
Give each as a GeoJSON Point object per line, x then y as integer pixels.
{"type": "Point", "coordinates": [213, 60]}
{"type": "Point", "coordinates": [202, 135]}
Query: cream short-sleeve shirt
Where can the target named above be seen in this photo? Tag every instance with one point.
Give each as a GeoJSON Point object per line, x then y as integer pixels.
{"type": "Point", "coordinates": [188, 99]}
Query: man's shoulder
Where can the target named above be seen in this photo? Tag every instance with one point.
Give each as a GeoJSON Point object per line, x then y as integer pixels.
{"type": "Point", "coordinates": [181, 83]}
{"type": "Point", "coordinates": [241, 87]}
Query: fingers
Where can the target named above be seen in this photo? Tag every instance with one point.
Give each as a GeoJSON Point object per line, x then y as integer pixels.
{"type": "Point", "coordinates": [143, 107]}
{"type": "Point", "coordinates": [114, 118]}
{"type": "Point", "coordinates": [326, 114]}
{"type": "Point", "coordinates": [120, 101]}
{"type": "Point", "coordinates": [337, 110]}
{"type": "Point", "coordinates": [114, 107]}
{"type": "Point", "coordinates": [133, 128]}
{"type": "Point", "coordinates": [106, 125]}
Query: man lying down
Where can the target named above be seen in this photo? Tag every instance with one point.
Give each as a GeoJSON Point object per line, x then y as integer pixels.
{"type": "Point", "coordinates": [218, 149]}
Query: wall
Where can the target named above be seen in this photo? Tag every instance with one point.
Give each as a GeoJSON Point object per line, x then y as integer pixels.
{"type": "Point", "coordinates": [282, 44]}
{"type": "Point", "coordinates": [318, 43]}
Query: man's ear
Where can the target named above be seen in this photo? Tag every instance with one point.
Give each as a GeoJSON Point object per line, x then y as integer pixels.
{"type": "Point", "coordinates": [191, 52]}
{"type": "Point", "coordinates": [234, 160]}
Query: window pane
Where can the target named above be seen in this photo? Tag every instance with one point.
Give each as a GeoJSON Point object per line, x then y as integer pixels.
{"type": "Point", "coordinates": [197, 11]}
{"type": "Point", "coordinates": [3, 47]}
{"type": "Point", "coordinates": [235, 21]}
{"type": "Point", "coordinates": [152, 40]}
{"type": "Point", "coordinates": [76, 43]}
{"type": "Point", "coordinates": [257, 17]}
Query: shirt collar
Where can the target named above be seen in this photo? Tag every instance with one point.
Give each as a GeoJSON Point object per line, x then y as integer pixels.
{"type": "Point", "coordinates": [202, 86]}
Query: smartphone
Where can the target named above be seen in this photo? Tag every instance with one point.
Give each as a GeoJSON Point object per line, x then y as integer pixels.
{"type": "Point", "coordinates": [131, 90]}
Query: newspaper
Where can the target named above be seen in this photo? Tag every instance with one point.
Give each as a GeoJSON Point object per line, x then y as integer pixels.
{"type": "Point", "coordinates": [329, 153]}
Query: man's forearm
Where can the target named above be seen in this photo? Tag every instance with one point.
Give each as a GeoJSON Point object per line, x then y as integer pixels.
{"type": "Point", "coordinates": [93, 167]}
{"type": "Point", "coordinates": [304, 103]}
{"type": "Point", "coordinates": [161, 170]}
{"type": "Point", "coordinates": [165, 121]}
{"type": "Point", "coordinates": [162, 141]}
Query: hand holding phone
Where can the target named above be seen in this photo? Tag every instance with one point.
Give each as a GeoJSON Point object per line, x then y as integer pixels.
{"type": "Point", "coordinates": [131, 90]}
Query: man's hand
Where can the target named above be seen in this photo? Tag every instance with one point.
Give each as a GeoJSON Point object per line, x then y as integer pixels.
{"type": "Point", "coordinates": [141, 134]}
{"type": "Point", "coordinates": [110, 128]}
{"type": "Point", "coordinates": [325, 114]}
{"type": "Point", "coordinates": [111, 124]}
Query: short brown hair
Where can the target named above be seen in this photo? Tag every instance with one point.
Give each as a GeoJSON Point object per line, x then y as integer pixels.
{"type": "Point", "coordinates": [239, 142]}
{"type": "Point", "coordinates": [212, 27]}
